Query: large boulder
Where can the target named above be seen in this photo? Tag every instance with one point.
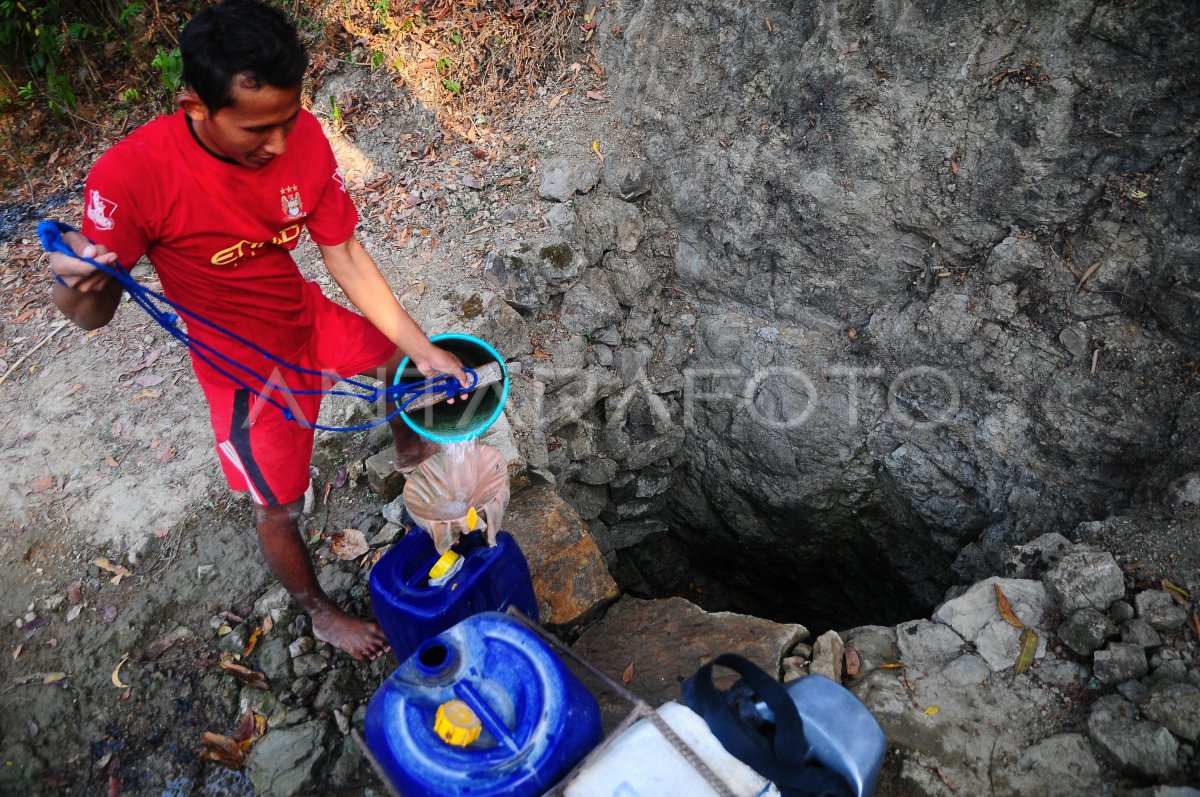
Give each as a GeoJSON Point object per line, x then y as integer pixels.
{"type": "Point", "coordinates": [569, 576]}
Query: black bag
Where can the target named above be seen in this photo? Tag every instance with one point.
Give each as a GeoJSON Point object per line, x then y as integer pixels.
{"type": "Point", "coordinates": [777, 751]}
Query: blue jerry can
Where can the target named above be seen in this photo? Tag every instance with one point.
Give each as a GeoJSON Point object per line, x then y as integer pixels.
{"type": "Point", "coordinates": [411, 608]}
{"type": "Point", "coordinates": [485, 708]}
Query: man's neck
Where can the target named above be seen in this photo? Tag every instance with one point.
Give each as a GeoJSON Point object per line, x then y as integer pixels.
{"type": "Point", "coordinates": [196, 137]}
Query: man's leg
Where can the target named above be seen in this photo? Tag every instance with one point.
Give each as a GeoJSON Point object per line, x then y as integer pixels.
{"type": "Point", "coordinates": [286, 554]}
{"type": "Point", "coordinates": [411, 448]}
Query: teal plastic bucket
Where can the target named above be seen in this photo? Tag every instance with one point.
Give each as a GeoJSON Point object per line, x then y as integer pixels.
{"type": "Point", "coordinates": [464, 419]}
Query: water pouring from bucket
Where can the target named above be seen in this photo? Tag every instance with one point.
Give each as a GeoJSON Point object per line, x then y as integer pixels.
{"type": "Point", "coordinates": [465, 485]}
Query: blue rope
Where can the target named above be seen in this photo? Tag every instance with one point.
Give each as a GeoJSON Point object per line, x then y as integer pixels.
{"type": "Point", "coordinates": [51, 234]}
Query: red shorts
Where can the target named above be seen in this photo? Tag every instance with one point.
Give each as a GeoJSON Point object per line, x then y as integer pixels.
{"type": "Point", "coordinates": [260, 449]}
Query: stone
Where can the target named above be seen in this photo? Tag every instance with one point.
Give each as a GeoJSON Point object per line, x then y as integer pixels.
{"type": "Point", "coordinates": [1085, 631]}
{"type": "Point", "coordinates": [667, 640]}
{"type": "Point", "coordinates": [382, 476]}
{"type": "Point", "coordinates": [336, 690]}
{"type": "Point", "coordinates": [874, 644]}
{"type": "Point", "coordinates": [590, 304]}
{"type": "Point", "coordinates": [287, 761]}
{"type": "Point", "coordinates": [274, 660]}
{"type": "Point", "coordinates": [234, 641]}
{"type": "Point", "coordinates": [654, 450]}
{"type": "Point", "coordinates": [389, 535]}
{"type": "Point", "coordinates": [967, 670]}
{"type": "Point", "coordinates": [1156, 607]}
{"type": "Point", "coordinates": [1085, 578]}
{"type": "Point", "coordinates": [1175, 706]}
{"type": "Point", "coordinates": [396, 512]}
{"type": "Point", "coordinates": [309, 664]}
{"type": "Point", "coordinates": [1011, 258]}
{"type": "Point", "coordinates": [927, 646]}
{"type": "Point", "coordinates": [1120, 611]}
{"type": "Point", "coordinates": [516, 278]}
{"type": "Point", "coordinates": [627, 534]}
{"type": "Point", "coordinates": [1119, 661]}
{"type": "Point", "coordinates": [569, 575]}
{"type": "Point", "coordinates": [1063, 765]}
{"type": "Point", "coordinates": [500, 436]}
{"type": "Point", "coordinates": [628, 277]}
{"type": "Point", "coordinates": [975, 618]}
{"type": "Point", "coordinates": [597, 471]}
{"type": "Point", "coordinates": [828, 656]}
{"type": "Point", "coordinates": [1062, 672]}
{"type": "Point", "coordinates": [1143, 747]}
{"type": "Point", "coordinates": [1035, 557]}
{"type": "Point", "coordinates": [1139, 632]}
{"type": "Point", "coordinates": [626, 177]}
{"type": "Point", "coordinates": [589, 500]}
{"type": "Point", "coordinates": [302, 645]}
{"type": "Point", "coordinates": [563, 176]}
{"type": "Point", "coordinates": [609, 224]}
{"type": "Point", "coordinates": [1074, 338]}
{"type": "Point", "coordinates": [1133, 691]}
{"type": "Point", "coordinates": [273, 600]}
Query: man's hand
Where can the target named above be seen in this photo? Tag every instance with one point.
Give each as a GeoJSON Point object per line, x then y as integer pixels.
{"type": "Point", "coordinates": [82, 292]}
{"type": "Point", "coordinates": [74, 273]}
{"type": "Point", "coordinates": [435, 361]}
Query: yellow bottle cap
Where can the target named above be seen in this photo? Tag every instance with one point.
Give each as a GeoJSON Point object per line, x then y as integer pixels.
{"type": "Point", "coordinates": [472, 519]}
{"type": "Point", "coordinates": [442, 566]}
{"type": "Point", "coordinates": [456, 724]}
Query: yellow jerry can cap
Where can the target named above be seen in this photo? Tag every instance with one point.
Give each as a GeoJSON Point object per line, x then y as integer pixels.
{"type": "Point", "coordinates": [442, 566]}
{"type": "Point", "coordinates": [456, 724]}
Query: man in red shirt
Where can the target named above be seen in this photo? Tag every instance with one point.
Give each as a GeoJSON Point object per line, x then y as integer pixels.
{"type": "Point", "coordinates": [216, 196]}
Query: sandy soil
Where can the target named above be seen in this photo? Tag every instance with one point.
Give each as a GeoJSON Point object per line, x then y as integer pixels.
{"type": "Point", "coordinates": [107, 454]}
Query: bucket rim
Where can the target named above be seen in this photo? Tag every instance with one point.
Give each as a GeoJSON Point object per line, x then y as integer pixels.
{"type": "Point", "coordinates": [496, 413]}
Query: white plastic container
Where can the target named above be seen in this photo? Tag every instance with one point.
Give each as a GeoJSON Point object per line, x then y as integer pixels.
{"type": "Point", "coordinates": [641, 762]}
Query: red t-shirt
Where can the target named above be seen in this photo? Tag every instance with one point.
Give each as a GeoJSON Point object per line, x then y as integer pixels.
{"type": "Point", "coordinates": [219, 234]}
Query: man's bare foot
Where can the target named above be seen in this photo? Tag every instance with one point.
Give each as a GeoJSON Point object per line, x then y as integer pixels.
{"type": "Point", "coordinates": [361, 639]}
{"type": "Point", "coordinates": [412, 456]}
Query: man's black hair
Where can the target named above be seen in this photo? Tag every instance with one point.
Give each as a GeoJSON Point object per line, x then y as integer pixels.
{"type": "Point", "coordinates": [240, 38]}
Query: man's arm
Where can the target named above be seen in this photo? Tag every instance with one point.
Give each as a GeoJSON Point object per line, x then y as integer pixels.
{"type": "Point", "coordinates": [83, 293]}
{"type": "Point", "coordinates": [356, 273]}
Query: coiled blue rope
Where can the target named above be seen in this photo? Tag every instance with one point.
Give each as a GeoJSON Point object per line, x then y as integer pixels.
{"type": "Point", "coordinates": [168, 313]}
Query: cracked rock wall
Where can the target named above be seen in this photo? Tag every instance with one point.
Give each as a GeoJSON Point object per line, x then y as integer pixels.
{"type": "Point", "coordinates": [943, 263]}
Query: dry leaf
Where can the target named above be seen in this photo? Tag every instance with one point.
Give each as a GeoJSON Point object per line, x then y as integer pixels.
{"type": "Point", "coordinates": [1029, 644]}
{"type": "Point", "coordinates": [954, 163]}
{"type": "Point", "coordinates": [1178, 593]}
{"type": "Point", "coordinates": [145, 394]}
{"type": "Point", "coordinates": [627, 676]}
{"type": "Point", "coordinates": [1087, 275]}
{"type": "Point", "coordinates": [42, 484]}
{"type": "Point", "coordinates": [470, 181]}
{"type": "Point", "coordinates": [891, 665]}
{"type": "Point", "coordinates": [166, 455]}
{"type": "Point", "coordinates": [267, 624]}
{"type": "Point", "coordinates": [112, 463]}
{"type": "Point", "coordinates": [512, 179]}
{"type": "Point", "coordinates": [222, 749]}
{"type": "Point", "coordinates": [557, 97]}
{"type": "Point", "coordinates": [75, 388]}
{"type": "Point", "coordinates": [348, 544]}
{"type": "Point", "coordinates": [852, 662]}
{"type": "Point", "coordinates": [1006, 609]}
{"type": "Point", "coordinates": [932, 710]}
{"type": "Point", "coordinates": [53, 677]}
{"type": "Point", "coordinates": [252, 641]}
{"type": "Point", "coordinates": [255, 680]}
{"type": "Point", "coordinates": [118, 571]}
{"type": "Point", "coordinates": [1135, 194]}
{"type": "Point", "coordinates": [596, 149]}
{"type": "Point", "coordinates": [595, 95]}
{"type": "Point", "coordinates": [1194, 622]}
{"type": "Point", "coordinates": [74, 611]}
{"type": "Point", "coordinates": [116, 673]}
{"type": "Point", "coordinates": [17, 651]}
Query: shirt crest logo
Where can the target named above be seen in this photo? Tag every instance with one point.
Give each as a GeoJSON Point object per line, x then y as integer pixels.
{"type": "Point", "coordinates": [100, 210]}
{"type": "Point", "coordinates": [341, 181]}
{"type": "Point", "coordinates": [290, 199]}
